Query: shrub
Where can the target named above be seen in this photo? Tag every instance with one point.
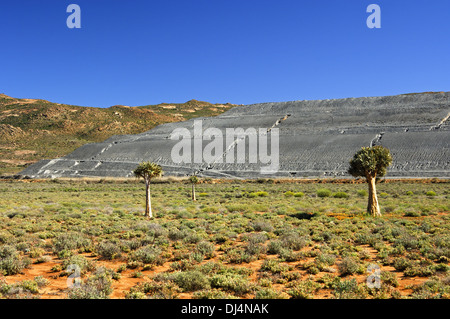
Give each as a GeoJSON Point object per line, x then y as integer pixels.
{"type": "Point", "coordinates": [340, 195]}
{"type": "Point", "coordinates": [191, 280]}
{"type": "Point", "coordinates": [231, 282]}
{"type": "Point", "coordinates": [262, 194]}
{"type": "Point", "coordinates": [323, 192]}
{"type": "Point", "coordinates": [261, 225]}
{"type": "Point", "coordinates": [147, 255]}
{"type": "Point", "coordinates": [10, 261]}
{"type": "Point", "coordinates": [430, 193]}
{"type": "Point", "coordinates": [349, 289]}
{"type": "Point", "coordinates": [409, 193]}
{"type": "Point", "coordinates": [402, 263]}
{"type": "Point", "coordinates": [212, 294]}
{"type": "Point", "coordinates": [82, 262]}
{"type": "Point", "coordinates": [274, 246]}
{"type": "Point", "coordinates": [299, 194]}
{"type": "Point", "coordinates": [108, 250]}
{"type": "Point", "coordinates": [349, 266]}
{"type": "Point", "coordinates": [205, 248]}
{"type": "Point", "coordinates": [362, 192]}
{"type": "Point", "coordinates": [273, 266]}
{"type": "Point", "coordinates": [269, 293]}
{"type": "Point", "coordinates": [97, 286]}
{"type": "Point", "coordinates": [293, 240]}
{"type": "Point", "coordinates": [303, 289]}
{"type": "Point", "coordinates": [70, 241]}
{"type": "Point", "coordinates": [389, 278]}
{"type": "Point", "coordinates": [289, 194]}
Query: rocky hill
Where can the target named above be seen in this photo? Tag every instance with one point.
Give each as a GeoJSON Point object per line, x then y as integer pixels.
{"type": "Point", "coordinates": [316, 139]}
{"type": "Point", "coordinates": [32, 129]}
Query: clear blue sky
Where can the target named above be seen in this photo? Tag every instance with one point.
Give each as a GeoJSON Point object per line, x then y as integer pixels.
{"type": "Point", "coordinates": [239, 51]}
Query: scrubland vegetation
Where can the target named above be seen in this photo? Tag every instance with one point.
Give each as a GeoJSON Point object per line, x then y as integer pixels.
{"type": "Point", "coordinates": [253, 239]}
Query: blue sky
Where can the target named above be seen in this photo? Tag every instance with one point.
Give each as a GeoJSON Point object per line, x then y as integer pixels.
{"type": "Point", "coordinates": [238, 51]}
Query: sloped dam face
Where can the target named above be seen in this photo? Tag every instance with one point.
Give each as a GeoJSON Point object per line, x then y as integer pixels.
{"type": "Point", "coordinates": [288, 139]}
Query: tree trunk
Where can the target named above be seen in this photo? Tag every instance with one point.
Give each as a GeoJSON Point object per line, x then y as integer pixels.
{"type": "Point", "coordinates": [148, 203]}
{"type": "Point", "coordinates": [193, 192]}
{"type": "Point", "coordinates": [372, 207]}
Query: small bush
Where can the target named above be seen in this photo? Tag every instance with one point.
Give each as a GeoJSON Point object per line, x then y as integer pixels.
{"type": "Point", "coordinates": [340, 195]}
{"type": "Point", "coordinates": [191, 280]}
{"type": "Point", "coordinates": [108, 250]}
{"type": "Point", "coordinates": [362, 192]}
{"type": "Point", "coordinates": [289, 194]}
{"type": "Point", "coordinates": [205, 248]}
{"type": "Point", "coordinates": [269, 293]}
{"type": "Point", "coordinates": [98, 286]}
{"type": "Point", "coordinates": [349, 289]}
{"type": "Point", "coordinates": [349, 266]}
{"type": "Point", "coordinates": [303, 289]}
{"type": "Point", "coordinates": [323, 192]}
{"type": "Point", "coordinates": [299, 194]}
{"type": "Point", "coordinates": [233, 283]}
{"type": "Point", "coordinates": [430, 193]}
{"type": "Point", "coordinates": [147, 255]}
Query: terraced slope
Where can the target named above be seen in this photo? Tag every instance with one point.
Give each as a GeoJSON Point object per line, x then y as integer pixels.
{"type": "Point", "coordinates": [32, 129]}
{"type": "Point", "coordinates": [316, 139]}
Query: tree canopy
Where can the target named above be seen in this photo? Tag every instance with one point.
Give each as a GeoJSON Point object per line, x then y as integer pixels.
{"type": "Point", "coordinates": [148, 170]}
{"type": "Point", "coordinates": [370, 162]}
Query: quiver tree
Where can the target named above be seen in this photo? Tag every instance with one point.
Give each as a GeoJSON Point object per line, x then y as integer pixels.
{"type": "Point", "coordinates": [147, 171]}
{"type": "Point", "coordinates": [193, 180]}
{"type": "Point", "coordinates": [371, 163]}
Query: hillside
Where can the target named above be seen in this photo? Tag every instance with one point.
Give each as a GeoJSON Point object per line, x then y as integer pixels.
{"type": "Point", "coordinates": [316, 138]}
{"type": "Point", "coordinates": [33, 129]}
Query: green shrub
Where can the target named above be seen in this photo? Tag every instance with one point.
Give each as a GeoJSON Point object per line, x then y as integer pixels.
{"type": "Point", "coordinates": [269, 293]}
{"type": "Point", "coordinates": [147, 255]}
{"type": "Point", "coordinates": [233, 283]}
{"type": "Point", "coordinates": [212, 294]}
{"type": "Point", "coordinates": [323, 192]}
{"type": "Point", "coordinates": [108, 250]}
{"type": "Point", "coordinates": [98, 286]}
{"type": "Point", "coordinates": [349, 289]}
{"type": "Point", "coordinates": [70, 241]}
{"type": "Point", "coordinates": [10, 261]}
{"type": "Point", "coordinates": [349, 266]}
{"type": "Point", "coordinates": [262, 194]}
{"type": "Point", "coordinates": [205, 248]}
{"type": "Point", "coordinates": [289, 194]}
{"type": "Point", "coordinates": [191, 280]}
{"type": "Point", "coordinates": [82, 262]}
{"type": "Point", "coordinates": [303, 289]}
{"type": "Point", "coordinates": [340, 195]}
{"type": "Point", "coordinates": [299, 194]}
{"type": "Point", "coordinates": [430, 193]}
{"type": "Point", "coordinates": [362, 192]}
{"type": "Point", "coordinates": [409, 193]}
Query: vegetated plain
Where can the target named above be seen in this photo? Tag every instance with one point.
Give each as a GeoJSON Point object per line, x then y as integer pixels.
{"type": "Point", "coordinates": [240, 239]}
